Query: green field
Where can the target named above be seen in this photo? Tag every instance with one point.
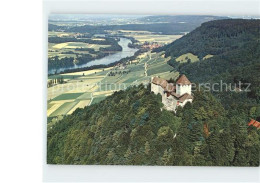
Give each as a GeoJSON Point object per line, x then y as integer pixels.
{"type": "Point", "coordinates": [85, 96]}
{"type": "Point", "coordinates": [98, 99]}
{"type": "Point", "coordinates": [185, 57]}
{"type": "Point", "coordinates": [64, 109]}
{"type": "Point", "coordinates": [146, 36]}
{"type": "Point", "coordinates": [67, 96]}
{"type": "Point", "coordinates": [65, 49]}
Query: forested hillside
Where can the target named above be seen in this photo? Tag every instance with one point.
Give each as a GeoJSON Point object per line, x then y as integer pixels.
{"type": "Point", "coordinates": [232, 44]}
{"type": "Point", "coordinates": [130, 128]}
{"type": "Point", "coordinates": [235, 49]}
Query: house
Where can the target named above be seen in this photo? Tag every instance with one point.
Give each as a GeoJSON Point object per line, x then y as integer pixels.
{"type": "Point", "coordinates": [173, 94]}
{"type": "Point", "coordinates": [254, 123]}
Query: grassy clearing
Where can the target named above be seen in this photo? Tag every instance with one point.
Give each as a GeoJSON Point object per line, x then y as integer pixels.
{"type": "Point", "coordinates": [185, 57]}
{"type": "Point", "coordinates": [207, 56]}
{"type": "Point", "coordinates": [168, 75]}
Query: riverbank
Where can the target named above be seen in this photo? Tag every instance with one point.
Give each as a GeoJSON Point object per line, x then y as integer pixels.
{"type": "Point", "coordinates": [111, 58]}
{"type": "Point", "coordinates": [121, 61]}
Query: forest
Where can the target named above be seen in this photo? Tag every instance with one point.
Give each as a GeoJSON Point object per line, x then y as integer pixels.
{"type": "Point", "coordinates": [236, 50]}
{"type": "Point", "coordinates": [129, 128]}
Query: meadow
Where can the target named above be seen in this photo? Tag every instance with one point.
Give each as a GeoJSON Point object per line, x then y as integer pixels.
{"type": "Point", "coordinates": [146, 36]}
{"type": "Point", "coordinates": [68, 49]}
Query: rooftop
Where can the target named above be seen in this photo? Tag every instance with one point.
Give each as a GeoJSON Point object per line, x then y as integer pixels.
{"type": "Point", "coordinates": [183, 80]}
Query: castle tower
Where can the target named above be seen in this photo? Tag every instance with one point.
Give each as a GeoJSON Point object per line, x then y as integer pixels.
{"type": "Point", "coordinates": [183, 85]}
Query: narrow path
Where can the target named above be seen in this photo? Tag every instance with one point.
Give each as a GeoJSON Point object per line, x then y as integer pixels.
{"type": "Point", "coordinates": [91, 99]}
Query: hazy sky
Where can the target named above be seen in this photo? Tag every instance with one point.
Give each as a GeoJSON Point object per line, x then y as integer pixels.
{"type": "Point", "coordinates": [157, 7]}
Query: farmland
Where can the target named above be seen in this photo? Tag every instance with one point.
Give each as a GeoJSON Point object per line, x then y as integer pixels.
{"type": "Point", "coordinates": [81, 89]}
{"type": "Point", "coordinates": [146, 36]}
{"type": "Point", "coordinates": [68, 49]}
{"type": "Point", "coordinates": [89, 87]}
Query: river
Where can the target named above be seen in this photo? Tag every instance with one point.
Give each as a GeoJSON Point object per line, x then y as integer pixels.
{"type": "Point", "coordinates": [126, 52]}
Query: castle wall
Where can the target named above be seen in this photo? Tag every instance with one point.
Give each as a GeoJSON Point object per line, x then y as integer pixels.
{"type": "Point", "coordinates": [185, 102]}
{"type": "Point", "coordinates": [157, 89]}
{"type": "Point", "coordinates": [170, 102]}
{"type": "Point", "coordinates": [154, 88]}
{"type": "Point", "coordinates": [182, 89]}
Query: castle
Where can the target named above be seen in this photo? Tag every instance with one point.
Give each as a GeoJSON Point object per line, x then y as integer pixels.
{"type": "Point", "coordinates": [173, 95]}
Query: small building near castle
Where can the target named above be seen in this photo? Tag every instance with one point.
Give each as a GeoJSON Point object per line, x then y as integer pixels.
{"type": "Point", "coordinates": [173, 94]}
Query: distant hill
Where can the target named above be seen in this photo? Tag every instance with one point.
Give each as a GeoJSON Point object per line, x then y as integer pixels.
{"type": "Point", "coordinates": [157, 24]}
{"type": "Point", "coordinates": [190, 19]}
{"type": "Point", "coordinates": [216, 37]}
{"type": "Point", "coordinates": [232, 44]}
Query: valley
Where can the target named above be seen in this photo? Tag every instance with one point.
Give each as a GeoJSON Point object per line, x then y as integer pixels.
{"type": "Point", "coordinates": [90, 87]}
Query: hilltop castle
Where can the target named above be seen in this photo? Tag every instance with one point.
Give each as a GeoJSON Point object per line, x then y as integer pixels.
{"type": "Point", "coordinates": [173, 95]}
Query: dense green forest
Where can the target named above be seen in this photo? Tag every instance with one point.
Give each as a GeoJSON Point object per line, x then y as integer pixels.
{"type": "Point", "coordinates": [235, 47]}
{"type": "Point", "coordinates": [216, 37]}
{"type": "Point", "coordinates": [130, 128]}
{"type": "Point", "coordinates": [56, 62]}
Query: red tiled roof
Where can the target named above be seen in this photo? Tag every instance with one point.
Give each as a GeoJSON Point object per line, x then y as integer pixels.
{"type": "Point", "coordinates": [183, 80]}
{"type": "Point", "coordinates": [186, 96]}
{"type": "Point", "coordinates": [251, 122]}
{"type": "Point", "coordinates": [170, 87]}
{"type": "Point", "coordinates": [175, 94]}
{"type": "Point", "coordinates": [254, 123]}
{"type": "Point", "coordinates": [159, 81]}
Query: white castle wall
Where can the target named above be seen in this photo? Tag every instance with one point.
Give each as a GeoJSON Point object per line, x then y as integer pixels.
{"type": "Point", "coordinates": [170, 102]}
{"type": "Point", "coordinates": [182, 89]}
{"type": "Point", "coordinates": [185, 102]}
{"type": "Point", "coordinates": [157, 89]}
